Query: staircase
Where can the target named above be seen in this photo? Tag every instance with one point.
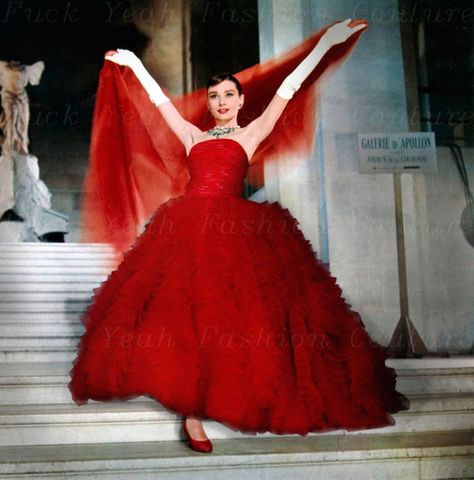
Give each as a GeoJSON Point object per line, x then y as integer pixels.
{"type": "Point", "coordinates": [43, 434]}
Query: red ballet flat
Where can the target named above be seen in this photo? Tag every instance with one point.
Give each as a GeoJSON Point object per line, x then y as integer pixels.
{"type": "Point", "coordinates": [198, 445]}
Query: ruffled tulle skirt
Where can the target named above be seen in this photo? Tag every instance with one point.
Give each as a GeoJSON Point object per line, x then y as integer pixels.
{"type": "Point", "coordinates": [221, 310]}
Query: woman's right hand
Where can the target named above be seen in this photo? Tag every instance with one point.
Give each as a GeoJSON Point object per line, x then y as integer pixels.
{"type": "Point", "coordinates": [123, 57]}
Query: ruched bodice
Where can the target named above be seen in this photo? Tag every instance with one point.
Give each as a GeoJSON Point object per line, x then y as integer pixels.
{"type": "Point", "coordinates": [217, 167]}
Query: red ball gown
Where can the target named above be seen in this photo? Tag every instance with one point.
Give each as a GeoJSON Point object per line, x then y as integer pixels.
{"type": "Point", "coordinates": [221, 310]}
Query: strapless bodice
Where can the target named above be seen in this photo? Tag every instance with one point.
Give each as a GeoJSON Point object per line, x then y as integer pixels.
{"type": "Point", "coordinates": [217, 167]}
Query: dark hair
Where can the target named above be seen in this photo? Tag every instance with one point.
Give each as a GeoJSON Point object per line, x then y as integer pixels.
{"type": "Point", "coordinates": [220, 77]}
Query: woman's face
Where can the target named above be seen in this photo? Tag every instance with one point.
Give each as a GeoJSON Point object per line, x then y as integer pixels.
{"type": "Point", "coordinates": [224, 101]}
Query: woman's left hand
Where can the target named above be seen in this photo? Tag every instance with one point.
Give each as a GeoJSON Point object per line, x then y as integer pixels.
{"type": "Point", "coordinates": [341, 31]}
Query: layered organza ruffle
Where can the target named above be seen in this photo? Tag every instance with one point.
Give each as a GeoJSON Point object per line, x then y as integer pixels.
{"type": "Point", "coordinates": [221, 310]}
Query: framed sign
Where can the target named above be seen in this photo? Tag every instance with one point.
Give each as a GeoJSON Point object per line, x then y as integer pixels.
{"type": "Point", "coordinates": [413, 152]}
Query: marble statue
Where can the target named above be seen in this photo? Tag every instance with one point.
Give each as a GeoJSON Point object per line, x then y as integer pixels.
{"type": "Point", "coordinates": [25, 201]}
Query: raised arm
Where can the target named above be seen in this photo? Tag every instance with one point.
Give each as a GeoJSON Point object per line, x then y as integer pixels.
{"type": "Point", "coordinates": [261, 127]}
{"type": "Point", "coordinates": [183, 129]}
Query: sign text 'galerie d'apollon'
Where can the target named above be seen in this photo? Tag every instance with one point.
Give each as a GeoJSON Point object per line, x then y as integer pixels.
{"type": "Point", "coordinates": [397, 152]}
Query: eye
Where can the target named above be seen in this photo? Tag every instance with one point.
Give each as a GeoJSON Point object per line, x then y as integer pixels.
{"type": "Point", "coordinates": [229, 94]}
{"type": "Point", "coordinates": [212, 96]}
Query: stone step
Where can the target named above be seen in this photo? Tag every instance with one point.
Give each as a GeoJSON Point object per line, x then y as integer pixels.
{"type": "Point", "coordinates": [36, 354]}
{"type": "Point", "coordinates": [415, 456]}
{"type": "Point", "coordinates": [42, 247]}
{"type": "Point", "coordinates": [60, 294]}
{"type": "Point", "coordinates": [47, 343]}
{"type": "Point", "coordinates": [44, 307]}
{"type": "Point", "coordinates": [15, 282]}
{"type": "Point", "coordinates": [105, 422]}
{"type": "Point", "coordinates": [57, 261]}
{"type": "Point", "coordinates": [43, 329]}
{"type": "Point", "coordinates": [47, 382]}
{"type": "Point", "coordinates": [47, 246]}
{"type": "Point", "coordinates": [38, 316]}
{"type": "Point", "coordinates": [33, 256]}
{"type": "Point", "coordinates": [437, 381]}
{"type": "Point", "coordinates": [45, 291]}
{"type": "Point", "coordinates": [95, 268]}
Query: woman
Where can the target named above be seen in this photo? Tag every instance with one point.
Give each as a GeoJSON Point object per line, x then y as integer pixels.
{"type": "Point", "coordinates": [232, 318]}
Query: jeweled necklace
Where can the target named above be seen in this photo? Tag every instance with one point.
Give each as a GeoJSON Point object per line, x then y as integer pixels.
{"type": "Point", "coordinates": [219, 131]}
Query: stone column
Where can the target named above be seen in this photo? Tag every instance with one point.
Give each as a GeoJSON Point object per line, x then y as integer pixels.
{"type": "Point", "coordinates": [283, 24]}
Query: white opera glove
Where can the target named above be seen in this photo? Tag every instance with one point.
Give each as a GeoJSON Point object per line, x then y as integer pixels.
{"type": "Point", "coordinates": [127, 57]}
{"type": "Point", "coordinates": [337, 33]}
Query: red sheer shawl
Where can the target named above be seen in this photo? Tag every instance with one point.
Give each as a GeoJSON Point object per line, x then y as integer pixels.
{"type": "Point", "coordinates": [137, 163]}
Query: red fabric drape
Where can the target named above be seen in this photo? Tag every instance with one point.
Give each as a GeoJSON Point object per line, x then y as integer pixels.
{"type": "Point", "coordinates": [137, 163]}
